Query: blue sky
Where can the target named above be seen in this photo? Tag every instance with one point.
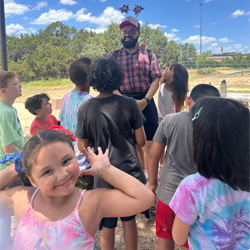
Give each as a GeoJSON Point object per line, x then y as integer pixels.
{"type": "Point", "coordinates": [225, 23]}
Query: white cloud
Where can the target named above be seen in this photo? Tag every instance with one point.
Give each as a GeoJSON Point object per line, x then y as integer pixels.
{"type": "Point", "coordinates": [174, 30]}
{"type": "Point", "coordinates": [196, 39]}
{"type": "Point", "coordinates": [98, 30]}
{"type": "Point", "coordinates": [103, 1]}
{"type": "Point", "coordinates": [156, 26]}
{"type": "Point", "coordinates": [238, 13]}
{"type": "Point", "coordinates": [213, 23]}
{"type": "Point", "coordinates": [238, 46]}
{"type": "Point", "coordinates": [109, 15]}
{"type": "Point", "coordinates": [12, 8]}
{"type": "Point", "coordinates": [40, 5]}
{"type": "Point", "coordinates": [224, 40]}
{"type": "Point", "coordinates": [207, 1]}
{"type": "Point", "coordinates": [18, 29]}
{"type": "Point", "coordinates": [197, 26]}
{"type": "Point", "coordinates": [53, 16]}
{"type": "Point", "coordinates": [171, 36]}
{"type": "Point", "coordinates": [68, 2]}
{"type": "Point", "coordinates": [214, 44]}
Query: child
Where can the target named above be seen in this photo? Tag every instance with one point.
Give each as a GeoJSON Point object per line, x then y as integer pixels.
{"type": "Point", "coordinates": [39, 105]}
{"type": "Point", "coordinates": [78, 72]}
{"type": "Point", "coordinates": [213, 206]}
{"type": "Point", "coordinates": [175, 132]}
{"type": "Point", "coordinates": [54, 214]}
{"type": "Point", "coordinates": [173, 90]}
{"type": "Point", "coordinates": [11, 134]}
{"type": "Point", "coordinates": [114, 122]}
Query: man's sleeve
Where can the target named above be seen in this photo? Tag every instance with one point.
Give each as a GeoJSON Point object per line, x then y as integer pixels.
{"type": "Point", "coordinates": [155, 68]}
{"type": "Point", "coordinates": [8, 133]}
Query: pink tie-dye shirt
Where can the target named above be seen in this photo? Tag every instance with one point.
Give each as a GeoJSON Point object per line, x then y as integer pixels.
{"type": "Point", "coordinates": [219, 216]}
{"type": "Point", "coordinates": [68, 233]}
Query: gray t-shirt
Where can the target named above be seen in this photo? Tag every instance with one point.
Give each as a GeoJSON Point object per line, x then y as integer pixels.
{"type": "Point", "coordinates": [175, 131]}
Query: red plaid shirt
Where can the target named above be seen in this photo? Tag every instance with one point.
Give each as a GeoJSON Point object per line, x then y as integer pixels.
{"type": "Point", "coordinates": [136, 67]}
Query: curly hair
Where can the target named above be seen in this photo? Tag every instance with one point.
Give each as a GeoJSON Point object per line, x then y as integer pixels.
{"type": "Point", "coordinates": [179, 85]}
{"type": "Point", "coordinates": [106, 75]}
{"type": "Point", "coordinates": [35, 102]}
{"type": "Point", "coordinates": [221, 141]}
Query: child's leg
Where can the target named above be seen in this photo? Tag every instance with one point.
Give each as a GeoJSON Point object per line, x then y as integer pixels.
{"type": "Point", "coordinates": [107, 238]}
{"type": "Point", "coordinates": [130, 234]}
{"type": "Point", "coordinates": [164, 244]}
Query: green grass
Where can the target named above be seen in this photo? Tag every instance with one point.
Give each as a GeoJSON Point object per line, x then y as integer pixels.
{"type": "Point", "coordinates": [59, 82]}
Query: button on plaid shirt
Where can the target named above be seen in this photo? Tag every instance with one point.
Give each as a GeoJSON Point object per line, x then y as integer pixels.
{"type": "Point", "coordinates": [136, 67]}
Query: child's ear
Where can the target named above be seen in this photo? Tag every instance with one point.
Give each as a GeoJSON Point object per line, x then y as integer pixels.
{"type": "Point", "coordinates": [31, 181]}
{"type": "Point", "coordinates": [37, 111]}
{"type": "Point", "coordinates": [2, 91]}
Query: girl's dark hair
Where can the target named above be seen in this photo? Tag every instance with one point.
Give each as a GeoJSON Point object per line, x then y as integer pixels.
{"type": "Point", "coordinates": [35, 143]}
{"type": "Point", "coordinates": [179, 85]}
{"type": "Point", "coordinates": [106, 75]}
{"type": "Point", "coordinates": [221, 141]}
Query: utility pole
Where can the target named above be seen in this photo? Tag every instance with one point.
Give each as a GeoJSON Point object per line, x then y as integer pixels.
{"type": "Point", "coordinates": [3, 37]}
{"type": "Point", "coordinates": [201, 31]}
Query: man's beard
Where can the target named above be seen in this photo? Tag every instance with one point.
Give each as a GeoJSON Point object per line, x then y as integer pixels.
{"type": "Point", "coordinates": [129, 44]}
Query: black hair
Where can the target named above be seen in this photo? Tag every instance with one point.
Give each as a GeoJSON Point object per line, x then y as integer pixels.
{"type": "Point", "coordinates": [78, 71]}
{"type": "Point", "coordinates": [221, 141]}
{"type": "Point", "coordinates": [203, 90]}
{"type": "Point", "coordinates": [179, 85]}
{"type": "Point", "coordinates": [35, 143]}
{"type": "Point", "coordinates": [106, 75]}
{"type": "Point", "coordinates": [35, 102]}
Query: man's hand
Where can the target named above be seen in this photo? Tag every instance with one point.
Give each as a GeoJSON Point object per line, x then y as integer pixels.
{"type": "Point", "coordinates": [142, 104]}
{"type": "Point", "coordinates": [144, 43]}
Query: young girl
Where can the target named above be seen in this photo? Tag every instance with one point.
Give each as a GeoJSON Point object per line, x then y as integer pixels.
{"type": "Point", "coordinates": [173, 90]}
{"type": "Point", "coordinates": [54, 214]}
{"type": "Point", "coordinates": [213, 206]}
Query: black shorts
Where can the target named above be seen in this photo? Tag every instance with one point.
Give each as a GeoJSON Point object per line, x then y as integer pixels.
{"type": "Point", "coordinates": [111, 222]}
{"type": "Point", "coordinates": [150, 114]}
{"type": "Point", "coordinates": [151, 124]}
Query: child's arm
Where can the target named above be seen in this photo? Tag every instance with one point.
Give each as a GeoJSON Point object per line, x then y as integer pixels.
{"type": "Point", "coordinates": [140, 137]}
{"type": "Point", "coordinates": [180, 231]}
{"type": "Point", "coordinates": [129, 198]}
{"type": "Point", "coordinates": [155, 154]}
{"type": "Point", "coordinates": [11, 148]}
{"type": "Point", "coordinates": [82, 143]}
{"type": "Point", "coordinates": [7, 176]}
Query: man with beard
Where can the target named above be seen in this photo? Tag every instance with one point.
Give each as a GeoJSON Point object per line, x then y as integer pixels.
{"type": "Point", "coordinates": [142, 75]}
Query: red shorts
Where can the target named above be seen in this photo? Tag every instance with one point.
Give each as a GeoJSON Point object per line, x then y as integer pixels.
{"type": "Point", "coordinates": [164, 222]}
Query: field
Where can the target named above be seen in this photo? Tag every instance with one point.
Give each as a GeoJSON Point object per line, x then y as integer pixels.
{"type": "Point", "coordinates": [56, 89]}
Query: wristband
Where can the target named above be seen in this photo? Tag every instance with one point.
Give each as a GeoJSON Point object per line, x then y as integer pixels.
{"type": "Point", "coordinates": [147, 100]}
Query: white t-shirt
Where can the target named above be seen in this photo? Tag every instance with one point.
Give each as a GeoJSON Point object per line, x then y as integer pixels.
{"type": "Point", "coordinates": [165, 102]}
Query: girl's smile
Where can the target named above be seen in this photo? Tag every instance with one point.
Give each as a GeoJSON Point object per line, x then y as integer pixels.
{"type": "Point", "coordinates": [56, 169]}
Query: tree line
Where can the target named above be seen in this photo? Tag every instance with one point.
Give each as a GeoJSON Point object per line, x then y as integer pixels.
{"type": "Point", "coordinates": [47, 54]}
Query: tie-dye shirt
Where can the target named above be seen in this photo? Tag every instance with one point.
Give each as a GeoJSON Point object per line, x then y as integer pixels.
{"type": "Point", "coordinates": [67, 233]}
{"type": "Point", "coordinates": [69, 109]}
{"type": "Point", "coordinates": [219, 216]}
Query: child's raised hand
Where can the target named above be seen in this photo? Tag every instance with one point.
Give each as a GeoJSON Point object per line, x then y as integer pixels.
{"type": "Point", "coordinates": [99, 163]}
